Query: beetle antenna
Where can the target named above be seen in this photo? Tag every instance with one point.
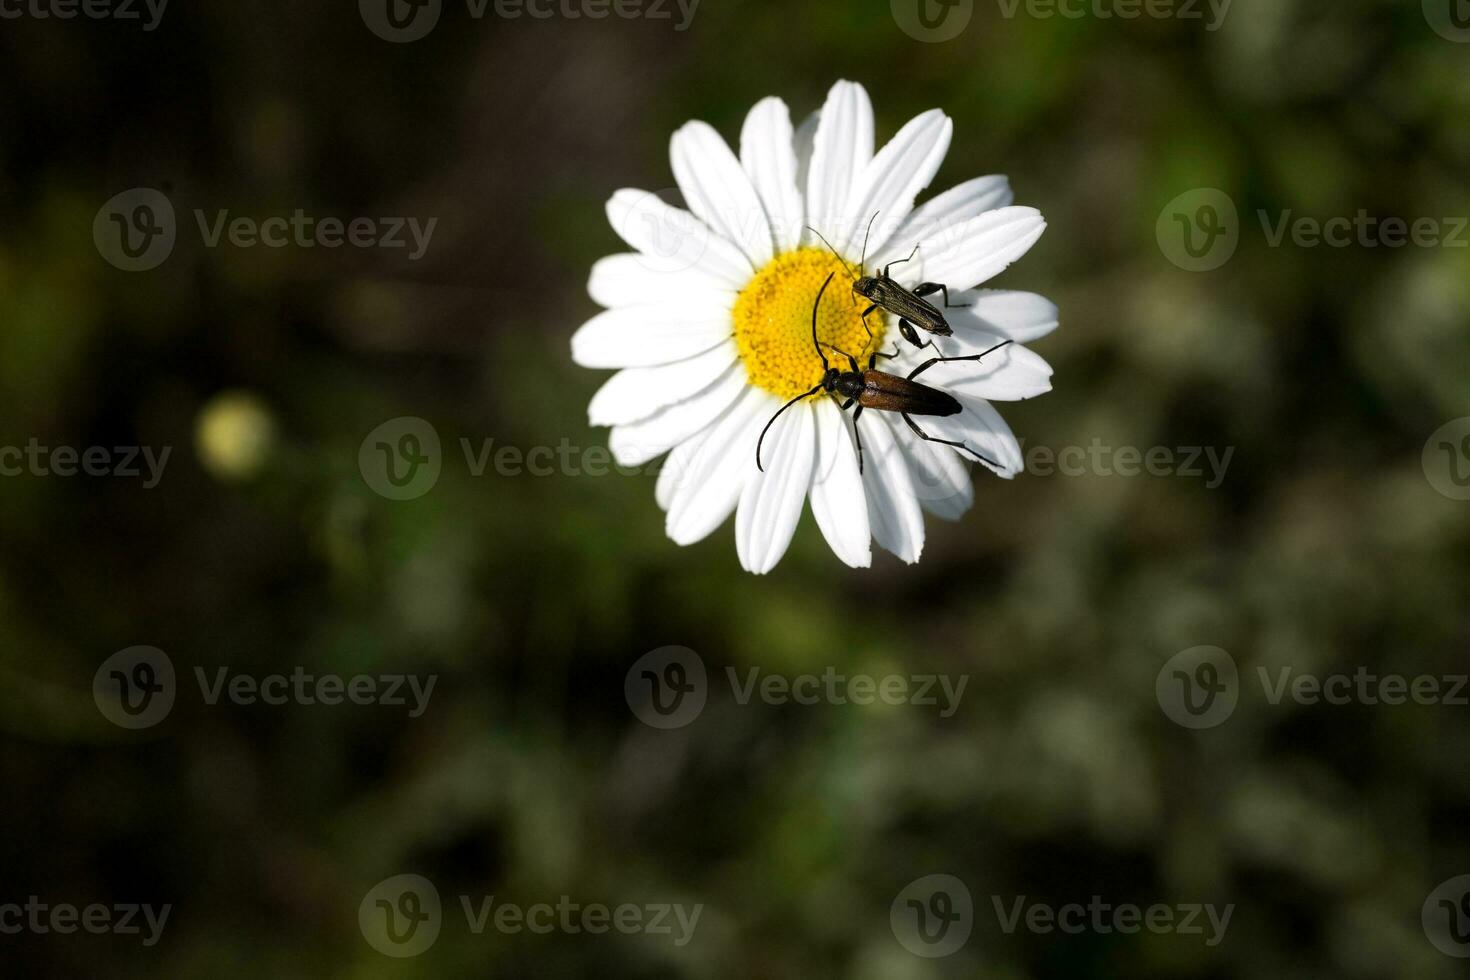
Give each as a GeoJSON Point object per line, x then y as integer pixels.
{"type": "Point", "coordinates": [783, 408]}
{"type": "Point", "coordinates": [815, 306]}
{"type": "Point", "coordinates": [865, 237]}
{"type": "Point", "coordinates": [833, 251]}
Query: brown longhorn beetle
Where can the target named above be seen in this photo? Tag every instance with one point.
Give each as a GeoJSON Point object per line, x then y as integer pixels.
{"type": "Point", "coordinates": [879, 390]}
{"type": "Point", "coordinates": [885, 293]}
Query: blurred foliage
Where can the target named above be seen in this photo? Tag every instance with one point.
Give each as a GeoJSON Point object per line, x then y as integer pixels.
{"type": "Point", "coordinates": [1059, 597]}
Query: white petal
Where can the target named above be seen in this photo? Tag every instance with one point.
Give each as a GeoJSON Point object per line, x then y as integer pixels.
{"type": "Point", "coordinates": [639, 442]}
{"type": "Point", "coordinates": [771, 503]}
{"type": "Point", "coordinates": [636, 393]}
{"type": "Point", "coordinates": [628, 279]}
{"type": "Point", "coordinates": [718, 191]}
{"type": "Point", "coordinates": [941, 479]}
{"type": "Point", "coordinates": [932, 218]}
{"type": "Point", "coordinates": [838, 501]}
{"type": "Point", "coordinates": [893, 509]}
{"type": "Point", "coordinates": [676, 467]}
{"type": "Point", "coordinates": [892, 179]}
{"type": "Point", "coordinates": [717, 473]}
{"type": "Point", "coordinates": [842, 147]}
{"type": "Point", "coordinates": [769, 157]}
{"type": "Point", "coordinates": [977, 249]}
{"type": "Point", "coordinates": [671, 240]}
{"type": "Point", "coordinates": [1016, 316]}
{"type": "Point", "coordinates": [981, 428]}
{"type": "Point", "coordinates": [804, 143]}
{"type": "Point", "coordinates": [639, 336]}
{"type": "Point", "coordinates": [1011, 374]}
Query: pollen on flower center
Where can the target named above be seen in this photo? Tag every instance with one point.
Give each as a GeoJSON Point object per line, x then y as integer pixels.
{"type": "Point", "coordinates": [773, 322]}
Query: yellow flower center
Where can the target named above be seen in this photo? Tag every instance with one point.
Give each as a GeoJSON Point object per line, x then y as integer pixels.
{"type": "Point", "coordinates": [773, 322]}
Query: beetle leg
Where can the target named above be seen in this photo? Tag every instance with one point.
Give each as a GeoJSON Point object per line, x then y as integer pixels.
{"type": "Point", "coordinates": [850, 359]}
{"type": "Point", "coordinates": [865, 319]}
{"type": "Point", "coordinates": [968, 357]}
{"type": "Point", "coordinates": [899, 262]}
{"type": "Point", "coordinates": [858, 435]}
{"type": "Point", "coordinates": [912, 336]}
{"type": "Point", "coordinates": [928, 288]}
{"type": "Point", "coordinates": [946, 442]}
{"type": "Point", "coordinates": [873, 361]}
{"type": "Point", "coordinates": [848, 404]}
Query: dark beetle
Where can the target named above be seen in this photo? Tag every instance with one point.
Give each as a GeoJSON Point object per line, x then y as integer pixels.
{"type": "Point", "coordinates": [881, 391]}
{"type": "Point", "coordinates": [884, 292]}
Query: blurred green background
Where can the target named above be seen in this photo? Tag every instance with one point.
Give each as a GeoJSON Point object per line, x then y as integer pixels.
{"type": "Point", "coordinates": [1326, 548]}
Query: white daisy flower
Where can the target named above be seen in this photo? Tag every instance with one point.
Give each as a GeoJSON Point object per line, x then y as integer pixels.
{"type": "Point", "coordinates": [710, 324]}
